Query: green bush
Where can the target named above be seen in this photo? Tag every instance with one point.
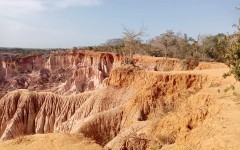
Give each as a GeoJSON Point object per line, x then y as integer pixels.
{"type": "Point", "coordinates": [233, 56]}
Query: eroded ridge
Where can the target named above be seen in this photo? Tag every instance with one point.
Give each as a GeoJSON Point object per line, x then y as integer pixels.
{"type": "Point", "coordinates": [135, 108]}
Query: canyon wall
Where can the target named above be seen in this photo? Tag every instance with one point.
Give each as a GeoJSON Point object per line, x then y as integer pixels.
{"type": "Point", "coordinates": [31, 63]}
{"type": "Point", "coordinates": [63, 72]}
{"type": "Point", "coordinates": [69, 72]}
{"type": "Point", "coordinates": [20, 64]}
{"type": "Point", "coordinates": [135, 109]}
{"type": "Point", "coordinates": [83, 70]}
{"type": "Point", "coordinates": [2, 69]}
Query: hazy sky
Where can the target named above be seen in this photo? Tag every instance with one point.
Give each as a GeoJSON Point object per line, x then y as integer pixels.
{"type": "Point", "coordinates": [68, 23]}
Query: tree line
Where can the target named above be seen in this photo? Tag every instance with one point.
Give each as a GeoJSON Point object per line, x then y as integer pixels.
{"type": "Point", "coordinates": [169, 44]}
{"type": "Point", "coordinates": [25, 51]}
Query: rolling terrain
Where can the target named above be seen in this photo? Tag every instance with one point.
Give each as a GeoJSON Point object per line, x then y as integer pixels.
{"type": "Point", "coordinates": [95, 100]}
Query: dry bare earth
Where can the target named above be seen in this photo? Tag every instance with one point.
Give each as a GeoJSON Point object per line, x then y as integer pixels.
{"type": "Point", "coordinates": [50, 142]}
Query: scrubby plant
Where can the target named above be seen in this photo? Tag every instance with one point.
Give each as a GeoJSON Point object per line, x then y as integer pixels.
{"type": "Point", "coordinates": [233, 58]}
{"type": "Point", "coordinates": [166, 139]}
{"type": "Point", "coordinates": [233, 54]}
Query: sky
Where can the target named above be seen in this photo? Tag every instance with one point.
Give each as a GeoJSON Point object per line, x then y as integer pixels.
{"type": "Point", "coordinates": [73, 23]}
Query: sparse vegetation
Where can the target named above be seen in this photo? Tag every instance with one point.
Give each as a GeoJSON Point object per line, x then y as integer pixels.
{"type": "Point", "coordinates": [24, 52]}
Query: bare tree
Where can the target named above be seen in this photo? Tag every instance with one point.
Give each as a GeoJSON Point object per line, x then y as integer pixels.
{"type": "Point", "coordinates": [114, 42]}
{"type": "Point", "coordinates": [165, 42]}
{"type": "Point", "coordinates": [133, 42]}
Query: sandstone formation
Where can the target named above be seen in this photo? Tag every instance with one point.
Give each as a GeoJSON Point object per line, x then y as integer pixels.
{"type": "Point", "coordinates": [72, 71]}
{"type": "Point", "coordinates": [83, 71]}
{"type": "Point", "coordinates": [35, 112]}
{"type": "Point", "coordinates": [63, 72]}
{"type": "Point", "coordinates": [156, 103]}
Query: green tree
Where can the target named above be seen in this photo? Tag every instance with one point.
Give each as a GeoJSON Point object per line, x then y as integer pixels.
{"type": "Point", "coordinates": [233, 54]}
{"type": "Point", "coordinates": [215, 46]}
